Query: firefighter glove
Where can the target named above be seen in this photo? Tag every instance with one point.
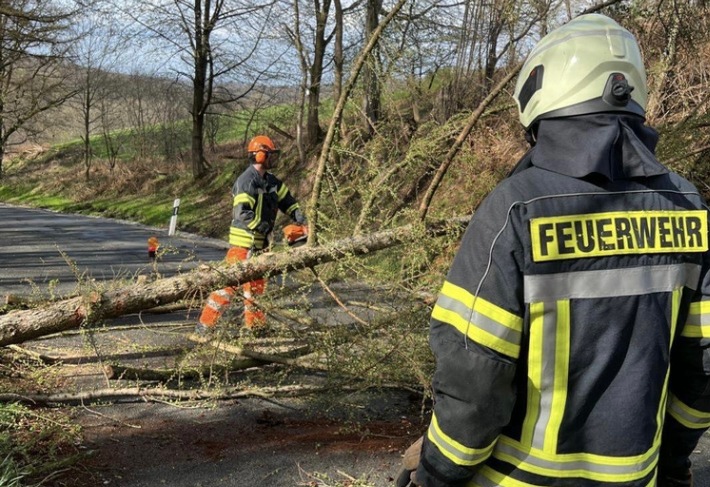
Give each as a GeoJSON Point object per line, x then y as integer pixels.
{"type": "Point", "coordinates": [263, 228]}
{"type": "Point", "coordinates": [299, 217]}
{"type": "Point", "coordinates": [410, 462]}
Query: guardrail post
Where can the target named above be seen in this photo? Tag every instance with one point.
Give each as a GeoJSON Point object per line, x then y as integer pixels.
{"type": "Point", "coordinates": [173, 219]}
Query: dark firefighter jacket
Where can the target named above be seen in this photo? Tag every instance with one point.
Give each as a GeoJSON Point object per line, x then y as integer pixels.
{"type": "Point", "coordinates": [257, 200]}
{"type": "Point", "coordinates": [581, 278]}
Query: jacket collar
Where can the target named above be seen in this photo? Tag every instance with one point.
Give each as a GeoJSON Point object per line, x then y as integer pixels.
{"type": "Point", "coordinates": [614, 146]}
{"type": "Point", "coordinates": [256, 173]}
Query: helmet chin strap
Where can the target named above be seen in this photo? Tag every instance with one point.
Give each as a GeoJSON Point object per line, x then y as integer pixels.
{"type": "Point", "coordinates": [531, 135]}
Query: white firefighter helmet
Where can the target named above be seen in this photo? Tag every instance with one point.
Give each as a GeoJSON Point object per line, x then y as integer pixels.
{"type": "Point", "coordinates": [589, 65]}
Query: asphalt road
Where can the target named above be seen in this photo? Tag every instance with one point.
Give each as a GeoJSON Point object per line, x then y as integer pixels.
{"type": "Point", "coordinates": [43, 252]}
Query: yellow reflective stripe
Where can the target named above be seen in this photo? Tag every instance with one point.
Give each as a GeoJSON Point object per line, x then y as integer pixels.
{"type": "Point", "coordinates": [243, 198]}
{"type": "Point", "coordinates": [663, 405]}
{"type": "Point", "coordinates": [282, 192]}
{"type": "Point", "coordinates": [532, 414]}
{"type": "Point", "coordinates": [687, 416]}
{"type": "Point", "coordinates": [698, 324]}
{"type": "Point", "coordinates": [681, 412]}
{"type": "Point", "coordinates": [242, 238]}
{"type": "Point", "coordinates": [548, 374]}
{"type": "Point", "coordinates": [560, 381]}
{"type": "Point", "coordinates": [455, 451]}
{"type": "Point", "coordinates": [257, 213]}
{"type": "Point", "coordinates": [292, 208]}
{"type": "Point", "coordinates": [479, 319]}
{"type": "Point", "coordinates": [652, 483]}
{"type": "Point", "coordinates": [583, 465]}
{"type": "Point", "coordinates": [482, 306]}
{"type": "Point", "coordinates": [487, 477]}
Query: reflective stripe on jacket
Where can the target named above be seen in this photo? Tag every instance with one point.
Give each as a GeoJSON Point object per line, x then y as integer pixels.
{"type": "Point", "coordinates": [257, 199]}
{"type": "Point", "coordinates": [555, 329]}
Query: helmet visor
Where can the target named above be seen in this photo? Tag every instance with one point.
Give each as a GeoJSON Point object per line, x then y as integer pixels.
{"type": "Point", "coordinates": [274, 156]}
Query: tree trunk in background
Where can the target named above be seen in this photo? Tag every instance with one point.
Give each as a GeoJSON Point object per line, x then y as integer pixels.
{"type": "Point", "coordinates": [3, 141]}
{"type": "Point", "coordinates": [336, 120]}
{"type": "Point", "coordinates": [371, 70]}
{"type": "Point", "coordinates": [338, 56]}
{"type": "Point", "coordinates": [303, 85]}
{"type": "Point", "coordinates": [87, 103]}
{"type": "Point", "coordinates": [199, 103]}
{"type": "Point", "coordinates": [313, 128]}
{"type": "Point", "coordinates": [665, 68]}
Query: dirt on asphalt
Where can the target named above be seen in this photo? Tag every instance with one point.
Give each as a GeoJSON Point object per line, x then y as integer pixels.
{"type": "Point", "coordinates": [240, 443]}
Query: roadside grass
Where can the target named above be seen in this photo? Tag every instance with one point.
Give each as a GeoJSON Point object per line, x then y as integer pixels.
{"type": "Point", "coordinates": [17, 196]}
{"type": "Point", "coordinates": [35, 445]}
{"type": "Point", "coordinates": [11, 475]}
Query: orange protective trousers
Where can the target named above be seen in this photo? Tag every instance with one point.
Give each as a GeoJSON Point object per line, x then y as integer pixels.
{"type": "Point", "coordinates": [220, 300]}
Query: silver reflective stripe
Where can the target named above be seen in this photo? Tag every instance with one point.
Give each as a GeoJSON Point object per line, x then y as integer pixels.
{"type": "Point", "coordinates": [479, 320]}
{"type": "Point", "coordinates": [547, 381]}
{"type": "Point", "coordinates": [215, 305]}
{"type": "Point", "coordinates": [576, 465]}
{"type": "Point", "coordinates": [686, 415]}
{"type": "Point", "coordinates": [698, 319]}
{"type": "Point", "coordinates": [610, 283]}
{"type": "Point", "coordinates": [675, 410]}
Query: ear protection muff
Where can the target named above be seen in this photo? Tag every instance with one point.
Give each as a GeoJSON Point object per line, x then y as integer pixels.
{"type": "Point", "coordinates": [261, 156]}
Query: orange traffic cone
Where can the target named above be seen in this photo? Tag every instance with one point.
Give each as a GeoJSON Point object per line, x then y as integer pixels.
{"type": "Point", "coordinates": [153, 245]}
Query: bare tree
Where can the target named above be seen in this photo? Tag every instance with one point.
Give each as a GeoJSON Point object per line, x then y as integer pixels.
{"type": "Point", "coordinates": [211, 41]}
{"type": "Point", "coordinates": [337, 118]}
{"type": "Point", "coordinates": [95, 52]}
{"type": "Point", "coordinates": [295, 35]}
{"type": "Point", "coordinates": [317, 34]}
{"type": "Point", "coordinates": [33, 78]}
{"type": "Point", "coordinates": [321, 39]}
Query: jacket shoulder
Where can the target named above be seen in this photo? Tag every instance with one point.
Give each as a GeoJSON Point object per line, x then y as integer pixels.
{"type": "Point", "coordinates": [246, 181]}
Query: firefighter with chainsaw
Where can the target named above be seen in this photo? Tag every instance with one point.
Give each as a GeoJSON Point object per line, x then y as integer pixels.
{"type": "Point", "coordinates": [258, 195]}
{"type": "Point", "coordinates": [572, 331]}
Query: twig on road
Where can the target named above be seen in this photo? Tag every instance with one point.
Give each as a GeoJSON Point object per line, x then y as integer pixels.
{"type": "Point", "coordinates": [101, 415]}
{"type": "Point", "coordinates": [337, 300]}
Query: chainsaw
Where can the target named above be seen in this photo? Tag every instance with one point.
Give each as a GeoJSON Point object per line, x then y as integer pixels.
{"type": "Point", "coordinates": [295, 235]}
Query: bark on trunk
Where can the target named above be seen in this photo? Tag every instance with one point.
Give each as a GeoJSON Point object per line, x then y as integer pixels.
{"type": "Point", "coordinates": [23, 325]}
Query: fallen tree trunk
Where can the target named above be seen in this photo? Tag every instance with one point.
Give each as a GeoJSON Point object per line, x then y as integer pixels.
{"type": "Point", "coordinates": [159, 393]}
{"type": "Point", "coordinates": [22, 325]}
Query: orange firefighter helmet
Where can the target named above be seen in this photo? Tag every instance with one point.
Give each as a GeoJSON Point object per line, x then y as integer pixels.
{"type": "Point", "coordinates": [260, 148]}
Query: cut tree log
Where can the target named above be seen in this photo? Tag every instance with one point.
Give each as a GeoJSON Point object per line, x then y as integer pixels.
{"type": "Point", "coordinates": [22, 325]}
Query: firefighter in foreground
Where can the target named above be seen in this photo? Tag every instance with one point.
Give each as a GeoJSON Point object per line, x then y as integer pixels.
{"type": "Point", "coordinates": [257, 197]}
{"type": "Point", "coordinates": [571, 331]}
